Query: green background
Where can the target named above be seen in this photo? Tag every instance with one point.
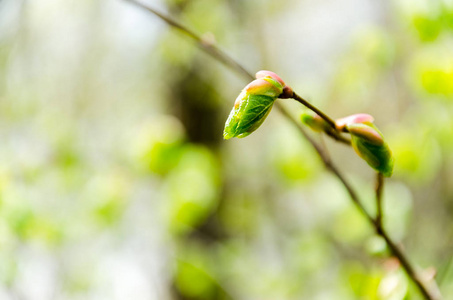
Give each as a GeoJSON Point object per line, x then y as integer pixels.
{"type": "Point", "coordinates": [115, 182]}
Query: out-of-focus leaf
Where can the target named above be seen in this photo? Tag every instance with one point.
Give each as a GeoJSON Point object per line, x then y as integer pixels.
{"type": "Point", "coordinates": [364, 283]}
{"type": "Point", "coordinates": [427, 27]}
{"type": "Point", "coordinates": [350, 226]}
{"type": "Point", "coordinates": [437, 81]}
{"type": "Point", "coordinates": [8, 268]}
{"type": "Point", "coordinates": [376, 246]}
{"type": "Point", "coordinates": [110, 197]}
{"type": "Point", "coordinates": [157, 145]}
{"type": "Point", "coordinates": [28, 226]}
{"type": "Point", "coordinates": [293, 158]}
{"type": "Point", "coordinates": [397, 208]}
{"type": "Point", "coordinates": [431, 71]}
{"type": "Point", "coordinates": [192, 188]}
{"type": "Point", "coordinates": [194, 282]}
{"type": "Point", "coordinates": [417, 155]}
{"type": "Point", "coordinates": [241, 215]}
{"type": "Point", "coordinates": [393, 286]}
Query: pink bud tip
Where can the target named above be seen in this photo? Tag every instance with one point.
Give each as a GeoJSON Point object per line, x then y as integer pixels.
{"type": "Point", "coordinates": [366, 132]}
{"type": "Point", "coordinates": [264, 74]}
{"type": "Point", "coordinates": [257, 84]}
{"type": "Point", "coordinates": [353, 119]}
{"type": "Point", "coordinates": [262, 87]}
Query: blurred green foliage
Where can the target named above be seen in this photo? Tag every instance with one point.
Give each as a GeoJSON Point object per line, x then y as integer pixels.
{"type": "Point", "coordinates": [115, 182]}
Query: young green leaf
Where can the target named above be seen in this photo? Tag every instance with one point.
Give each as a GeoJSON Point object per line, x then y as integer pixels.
{"type": "Point", "coordinates": [368, 142]}
{"type": "Point", "coordinates": [253, 105]}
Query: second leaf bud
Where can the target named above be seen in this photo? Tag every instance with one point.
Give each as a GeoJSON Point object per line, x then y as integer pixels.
{"type": "Point", "coordinates": [368, 142]}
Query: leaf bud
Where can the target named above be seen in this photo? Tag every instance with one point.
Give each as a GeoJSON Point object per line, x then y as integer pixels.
{"type": "Point", "coordinates": [254, 104]}
{"type": "Point", "coordinates": [368, 142]}
{"type": "Point", "coordinates": [314, 121]}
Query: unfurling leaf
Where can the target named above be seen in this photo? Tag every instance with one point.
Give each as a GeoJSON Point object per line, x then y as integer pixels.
{"type": "Point", "coordinates": [368, 142]}
{"type": "Point", "coordinates": [253, 104]}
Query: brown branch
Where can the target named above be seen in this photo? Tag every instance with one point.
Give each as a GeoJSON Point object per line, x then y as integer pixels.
{"type": "Point", "coordinates": [315, 109]}
{"type": "Point", "coordinates": [332, 130]}
{"type": "Point", "coordinates": [429, 292]}
{"type": "Point", "coordinates": [205, 44]}
{"type": "Point", "coordinates": [338, 137]}
{"type": "Point", "coordinates": [379, 190]}
{"type": "Point", "coordinates": [430, 289]}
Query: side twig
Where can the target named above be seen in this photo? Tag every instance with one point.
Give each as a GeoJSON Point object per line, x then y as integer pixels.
{"type": "Point", "coordinates": [315, 109]}
{"type": "Point", "coordinates": [332, 130]}
{"type": "Point", "coordinates": [205, 44]}
{"type": "Point", "coordinates": [379, 190]}
{"type": "Point", "coordinates": [429, 292]}
{"type": "Point", "coordinates": [338, 137]}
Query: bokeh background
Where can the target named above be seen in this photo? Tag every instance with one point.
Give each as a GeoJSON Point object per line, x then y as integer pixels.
{"type": "Point", "coordinates": [115, 182]}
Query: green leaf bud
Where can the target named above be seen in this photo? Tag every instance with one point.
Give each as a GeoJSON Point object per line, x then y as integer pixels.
{"type": "Point", "coordinates": [366, 131]}
{"type": "Point", "coordinates": [314, 121]}
{"type": "Point", "coordinates": [254, 104]}
{"type": "Point", "coordinates": [287, 91]}
{"type": "Point", "coordinates": [368, 142]}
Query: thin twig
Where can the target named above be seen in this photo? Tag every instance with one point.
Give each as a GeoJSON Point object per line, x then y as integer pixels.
{"type": "Point", "coordinates": [315, 109]}
{"type": "Point", "coordinates": [430, 292]}
{"type": "Point", "coordinates": [338, 137]}
{"type": "Point", "coordinates": [206, 44]}
{"type": "Point", "coordinates": [430, 289]}
{"type": "Point", "coordinates": [379, 189]}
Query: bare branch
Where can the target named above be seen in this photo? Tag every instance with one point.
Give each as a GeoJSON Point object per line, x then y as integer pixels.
{"type": "Point", "coordinates": [315, 109]}
{"type": "Point", "coordinates": [379, 190]}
